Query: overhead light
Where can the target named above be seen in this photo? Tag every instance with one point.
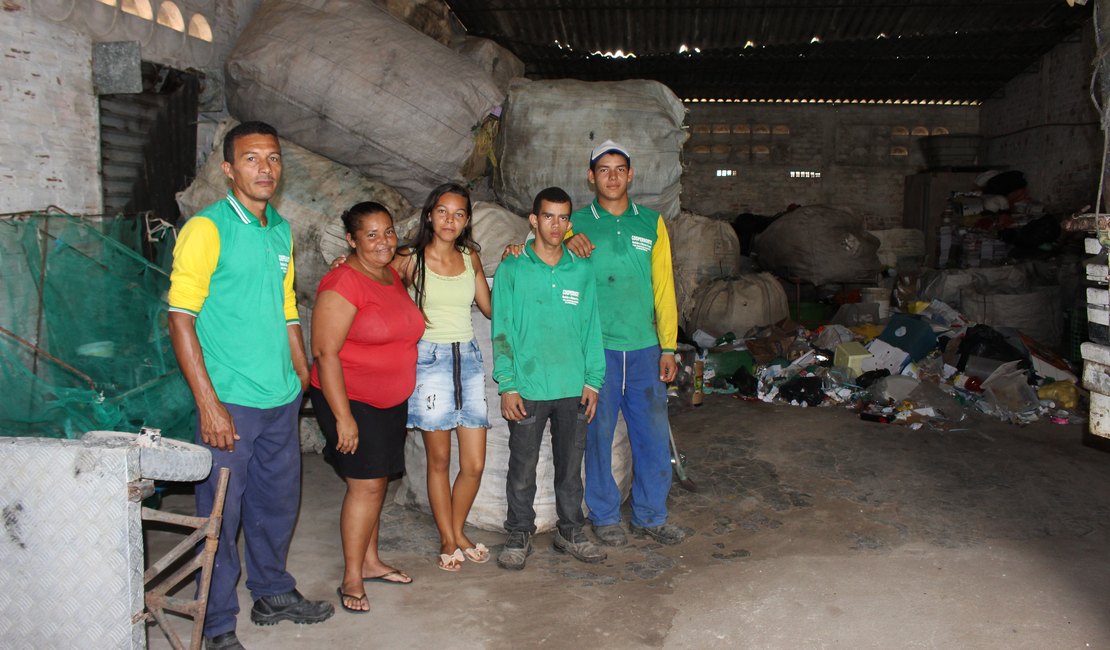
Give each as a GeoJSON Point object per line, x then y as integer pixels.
{"type": "Point", "coordinates": [815, 39]}
{"type": "Point", "coordinates": [749, 44]}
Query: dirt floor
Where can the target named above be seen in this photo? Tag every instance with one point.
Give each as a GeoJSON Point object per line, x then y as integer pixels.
{"type": "Point", "coordinates": [810, 529]}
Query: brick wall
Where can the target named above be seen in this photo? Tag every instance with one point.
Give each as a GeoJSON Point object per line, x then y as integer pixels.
{"type": "Point", "coordinates": [861, 151]}
{"type": "Point", "coordinates": [49, 132]}
{"type": "Point", "coordinates": [1044, 124]}
{"type": "Point", "coordinates": [49, 143]}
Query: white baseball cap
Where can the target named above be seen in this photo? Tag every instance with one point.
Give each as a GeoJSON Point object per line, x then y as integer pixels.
{"type": "Point", "coordinates": [608, 147]}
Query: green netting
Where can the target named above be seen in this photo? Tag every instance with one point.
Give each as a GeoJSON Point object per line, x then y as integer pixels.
{"type": "Point", "coordinates": [83, 337]}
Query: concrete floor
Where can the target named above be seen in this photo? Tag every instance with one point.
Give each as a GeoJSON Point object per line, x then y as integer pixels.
{"type": "Point", "coordinates": [811, 529]}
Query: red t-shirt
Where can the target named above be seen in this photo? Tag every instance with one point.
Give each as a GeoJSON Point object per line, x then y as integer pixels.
{"type": "Point", "coordinates": [379, 355]}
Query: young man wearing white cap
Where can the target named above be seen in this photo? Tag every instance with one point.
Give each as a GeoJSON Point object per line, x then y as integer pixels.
{"type": "Point", "coordinates": [631, 258]}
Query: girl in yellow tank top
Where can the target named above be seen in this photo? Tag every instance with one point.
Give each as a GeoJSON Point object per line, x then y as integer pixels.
{"type": "Point", "coordinates": [444, 275]}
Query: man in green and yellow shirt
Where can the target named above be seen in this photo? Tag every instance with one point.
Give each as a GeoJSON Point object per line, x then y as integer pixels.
{"type": "Point", "coordinates": [630, 254]}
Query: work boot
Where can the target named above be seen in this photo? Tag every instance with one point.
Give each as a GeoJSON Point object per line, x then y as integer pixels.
{"type": "Point", "coordinates": [610, 535]}
{"type": "Point", "coordinates": [578, 547]}
{"type": "Point", "coordinates": [225, 641]}
{"type": "Point", "coordinates": [291, 606]}
{"type": "Point", "coordinates": [517, 549]}
{"type": "Point", "coordinates": [663, 533]}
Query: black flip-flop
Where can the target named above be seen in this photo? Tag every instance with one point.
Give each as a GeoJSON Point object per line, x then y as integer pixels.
{"type": "Point", "coordinates": [339, 592]}
{"type": "Point", "coordinates": [385, 578]}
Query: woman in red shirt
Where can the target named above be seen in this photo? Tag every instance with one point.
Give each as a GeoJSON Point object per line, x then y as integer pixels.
{"type": "Point", "coordinates": [364, 333]}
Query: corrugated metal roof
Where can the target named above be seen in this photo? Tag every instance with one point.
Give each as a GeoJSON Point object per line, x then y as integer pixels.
{"type": "Point", "coordinates": [776, 49]}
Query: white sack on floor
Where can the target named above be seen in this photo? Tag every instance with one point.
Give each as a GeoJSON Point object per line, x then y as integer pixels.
{"type": "Point", "coordinates": [819, 245]}
{"type": "Point", "coordinates": [703, 249]}
{"type": "Point", "coordinates": [312, 196]}
{"type": "Point", "coordinates": [1034, 312]}
{"type": "Point", "coordinates": [739, 304]}
{"type": "Point", "coordinates": [550, 127]}
{"type": "Point", "coordinates": [359, 86]}
{"type": "Point", "coordinates": [488, 512]}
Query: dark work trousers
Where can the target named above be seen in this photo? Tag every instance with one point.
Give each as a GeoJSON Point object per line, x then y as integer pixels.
{"type": "Point", "coordinates": [568, 443]}
{"type": "Point", "coordinates": [263, 495]}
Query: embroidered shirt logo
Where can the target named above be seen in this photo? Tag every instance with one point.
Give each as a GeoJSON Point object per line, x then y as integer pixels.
{"type": "Point", "coordinates": [283, 262]}
{"type": "Point", "coordinates": [570, 297]}
{"type": "Point", "coordinates": [641, 243]}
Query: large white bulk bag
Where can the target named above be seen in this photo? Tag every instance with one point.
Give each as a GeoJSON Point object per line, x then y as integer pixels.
{"type": "Point", "coordinates": [1034, 312]}
{"type": "Point", "coordinates": [501, 64]}
{"type": "Point", "coordinates": [312, 196]}
{"type": "Point", "coordinates": [819, 245]}
{"type": "Point", "coordinates": [549, 128]}
{"type": "Point", "coordinates": [739, 304]}
{"type": "Point", "coordinates": [494, 228]}
{"type": "Point", "coordinates": [359, 86]}
{"type": "Point", "coordinates": [703, 249]}
{"type": "Point", "coordinates": [488, 512]}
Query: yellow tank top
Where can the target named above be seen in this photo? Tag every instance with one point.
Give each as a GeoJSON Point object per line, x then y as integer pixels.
{"type": "Point", "coordinates": [447, 301]}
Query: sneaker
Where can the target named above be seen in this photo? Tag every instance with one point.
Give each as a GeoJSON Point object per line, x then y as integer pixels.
{"type": "Point", "coordinates": [225, 641]}
{"type": "Point", "coordinates": [663, 533]}
{"type": "Point", "coordinates": [578, 547]}
{"type": "Point", "coordinates": [517, 549]}
{"type": "Point", "coordinates": [610, 535]}
{"type": "Point", "coordinates": [292, 606]}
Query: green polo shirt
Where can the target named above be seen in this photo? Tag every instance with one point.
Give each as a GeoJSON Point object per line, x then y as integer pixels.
{"type": "Point", "coordinates": [546, 331]}
{"type": "Point", "coordinates": [236, 277]}
{"type": "Point", "coordinates": [635, 277]}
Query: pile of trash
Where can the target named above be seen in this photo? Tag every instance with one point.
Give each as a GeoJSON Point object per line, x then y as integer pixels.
{"type": "Point", "coordinates": [926, 366]}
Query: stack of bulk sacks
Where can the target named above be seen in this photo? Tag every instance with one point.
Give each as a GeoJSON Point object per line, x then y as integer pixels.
{"type": "Point", "coordinates": [703, 249]}
{"type": "Point", "coordinates": [359, 86]}
{"type": "Point", "coordinates": [739, 304]}
{"type": "Point", "coordinates": [550, 127]}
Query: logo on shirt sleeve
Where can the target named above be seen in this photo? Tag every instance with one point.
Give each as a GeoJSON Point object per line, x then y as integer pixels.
{"type": "Point", "coordinates": [641, 243]}
{"type": "Point", "coordinates": [283, 262]}
{"type": "Point", "coordinates": [570, 297]}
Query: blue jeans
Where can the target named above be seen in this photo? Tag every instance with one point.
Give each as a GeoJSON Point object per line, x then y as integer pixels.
{"type": "Point", "coordinates": [568, 441]}
{"type": "Point", "coordinates": [264, 494]}
{"type": "Point", "coordinates": [632, 387]}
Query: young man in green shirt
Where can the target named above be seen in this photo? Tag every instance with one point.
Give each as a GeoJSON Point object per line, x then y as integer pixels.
{"type": "Point", "coordinates": [549, 365]}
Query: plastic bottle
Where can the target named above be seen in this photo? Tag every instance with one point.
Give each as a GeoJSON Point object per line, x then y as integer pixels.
{"type": "Point", "coordinates": [699, 381]}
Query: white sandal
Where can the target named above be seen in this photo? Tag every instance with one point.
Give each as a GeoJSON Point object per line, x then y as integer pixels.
{"type": "Point", "coordinates": [452, 562]}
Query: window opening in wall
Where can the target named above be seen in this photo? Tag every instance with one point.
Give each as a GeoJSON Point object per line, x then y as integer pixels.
{"type": "Point", "coordinates": [198, 28]}
{"type": "Point", "coordinates": [780, 129]}
{"type": "Point", "coordinates": [940, 130]}
{"type": "Point", "coordinates": [803, 173]}
{"type": "Point", "coordinates": [919, 131]}
{"type": "Point", "coordinates": [170, 16]}
{"type": "Point", "coordinates": [148, 144]}
{"type": "Point", "coordinates": [140, 8]}
{"type": "Point", "coordinates": [899, 132]}
{"type": "Point", "coordinates": [899, 151]}
{"type": "Point", "coordinates": [725, 172]}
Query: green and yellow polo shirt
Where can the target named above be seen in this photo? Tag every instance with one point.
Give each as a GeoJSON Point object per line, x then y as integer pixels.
{"type": "Point", "coordinates": [236, 277]}
{"type": "Point", "coordinates": [634, 274]}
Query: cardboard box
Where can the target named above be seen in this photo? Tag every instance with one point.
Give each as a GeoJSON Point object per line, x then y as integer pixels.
{"type": "Point", "coordinates": [885, 355]}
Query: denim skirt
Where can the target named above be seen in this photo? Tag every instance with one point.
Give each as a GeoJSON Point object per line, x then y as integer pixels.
{"type": "Point", "coordinates": [450, 387]}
